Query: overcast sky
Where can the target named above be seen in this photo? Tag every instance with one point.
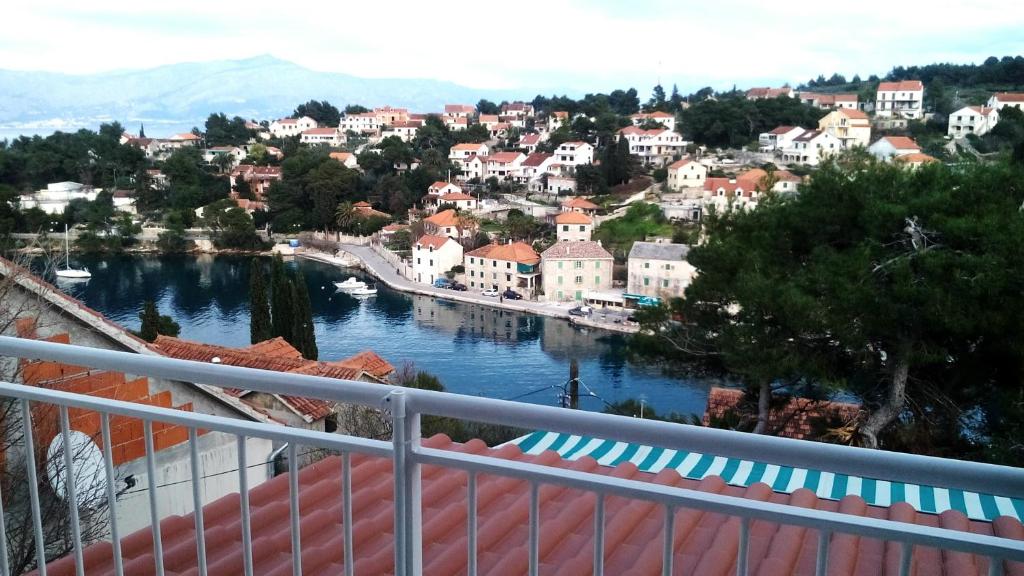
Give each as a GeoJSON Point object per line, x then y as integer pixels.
{"type": "Point", "coordinates": [545, 44]}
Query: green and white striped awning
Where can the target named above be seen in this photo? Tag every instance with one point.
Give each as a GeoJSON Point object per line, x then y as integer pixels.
{"type": "Point", "coordinates": [782, 479]}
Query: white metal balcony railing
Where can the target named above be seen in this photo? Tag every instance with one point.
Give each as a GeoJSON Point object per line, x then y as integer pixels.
{"type": "Point", "coordinates": [406, 407]}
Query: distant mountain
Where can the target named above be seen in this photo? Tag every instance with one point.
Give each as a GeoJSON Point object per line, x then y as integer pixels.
{"type": "Point", "coordinates": [185, 94]}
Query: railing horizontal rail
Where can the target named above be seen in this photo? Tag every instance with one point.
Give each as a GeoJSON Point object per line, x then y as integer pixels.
{"type": "Point", "coordinates": [728, 505]}
{"type": "Point", "coordinates": [199, 421]}
{"type": "Point", "coordinates": [878, 464]}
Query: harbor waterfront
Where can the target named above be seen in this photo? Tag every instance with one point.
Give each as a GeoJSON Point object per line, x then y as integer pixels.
{"type": "Point", "coordinates": [473, 348]}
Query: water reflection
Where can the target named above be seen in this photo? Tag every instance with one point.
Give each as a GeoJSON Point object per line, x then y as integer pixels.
{"type": "Point", "coordinates": [474, 349]}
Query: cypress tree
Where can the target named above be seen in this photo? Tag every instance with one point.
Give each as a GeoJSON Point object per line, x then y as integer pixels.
{"type": "Point", "coordinates": [305, 338]}
{"type": "Point", "coordinates": [280, 300]}
{"type": "Point", "coordinates": [150, 321]}
{"type": "Point", "coordinates": [260, 328]}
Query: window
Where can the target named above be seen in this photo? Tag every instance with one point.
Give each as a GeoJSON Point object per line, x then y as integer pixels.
{"type": "Point", "coordinates": [508, 277]}
{"type": "Point", "coordinates": [647, 264]}
{"type": "Point", "coordinates": [431, 263]}
{"type": "Point", "coordinates": [647, 281]}
{"type": "Point", "coordinates": [578, 264]}
{"type": "Point", "coordinates": [418, 261]}
{"type": "Point", "coordinates": [664, 283]}
{"type": "Point", "coordinates": [597, 265]}
{"type": "Point", "coordinates": [472, 273]}
{"type": "Point", "coordinates": [508, 265]}
{"type": "Point", "coordinates": [494, 263]}
{"type": "Point", "coordinates": [583, 228]}
{"type": "Point", "coordinates": [597, 280]}
{"type": "Point", "coordinates": [494, 275]}
{"type": "Point", "coordinates": [559, 280]}
{"type": "Point", "coordinates": [559, 265]}
{"type": "Point", "coordinates": [579, 279]}
{"type": "Point", "coordinates": [565, 228]}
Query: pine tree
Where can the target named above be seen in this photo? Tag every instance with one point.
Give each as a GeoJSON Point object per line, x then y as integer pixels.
{"type": "Point", "coordinates": [280, 301]}
{"type": "Point", "coordinates": [260, 328]}
{"type": "Point", "coordinates": [150, 321]}
{"type": "Point", "coordinates": [305, 337]}
{"type": "Point", "coordinates": [142, 131]}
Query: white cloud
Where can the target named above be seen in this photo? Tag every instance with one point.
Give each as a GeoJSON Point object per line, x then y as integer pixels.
{"type": "Point", "coordinates": [556, 44]}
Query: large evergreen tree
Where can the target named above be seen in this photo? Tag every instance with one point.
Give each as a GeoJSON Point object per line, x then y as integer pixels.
{"type": "Point", "coordinates": [280, 300]}
{"type": "Point", "coordinates": [153, 324]}
{"type": "Point", "coordinates": [260, 327]}
{"type": "Point", "coordinates": [305, 338]}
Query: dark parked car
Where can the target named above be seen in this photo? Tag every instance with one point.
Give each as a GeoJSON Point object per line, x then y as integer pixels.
{"type": "Point", "coordinates": [581, 311]}
{"type": "Point", "coordinates": [512, 295]}
{"type": "Point", "coordinates": [458, 286]}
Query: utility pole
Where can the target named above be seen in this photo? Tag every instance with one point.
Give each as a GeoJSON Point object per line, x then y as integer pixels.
{"type": "Point", "coordinates": [574, 385]}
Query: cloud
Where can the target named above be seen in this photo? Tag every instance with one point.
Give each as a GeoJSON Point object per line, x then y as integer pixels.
{"type": "Point", "coordinates": [552, 44]}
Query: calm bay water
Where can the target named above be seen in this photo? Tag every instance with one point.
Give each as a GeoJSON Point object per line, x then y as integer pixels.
{"type": "Point", "coordinates": [473, 349]}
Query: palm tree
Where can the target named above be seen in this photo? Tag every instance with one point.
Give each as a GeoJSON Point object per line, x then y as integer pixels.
{"type": "Point", "coordinates": [345, 216]}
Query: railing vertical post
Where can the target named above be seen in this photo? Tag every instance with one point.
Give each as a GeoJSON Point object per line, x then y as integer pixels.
{"type": "Point", "coordinates": [72, 490]}
{"type": "Point", "coordinates": [405, 437]}
{"type": "Point", "coordinates": [5, 567]}
{"type": "Point", "coordinates": [668, 547]}
{"type": "Point", "coordinates": [471, 524]}
{"type": "Point", "coordinates": [33, 487]}
{"type": "Point", "coordinates": [534, 529]}
{"type": "Point", "coordinates": [824, 538]}
{"type": "Point", "coordinates": [906, 558]}
{"type": "Point", "coordinates": [197, 499]}
{"type": "Point", "coordinates": [346, 513]}
{"type": "Point", "coordinates": [243, 492]}
{"type": "Point", "coordinates": [293, 508]}
{"type": "Point", "coordinates": [158, 545]}
{"type": "Point", "coordinates": [599, 535]}
{"type": "Point", "coordinates": [744, 547]}
{"type": "Point", "coordinates": [995, 566]}
{"type": "Point", "coordinates": [108, 467]}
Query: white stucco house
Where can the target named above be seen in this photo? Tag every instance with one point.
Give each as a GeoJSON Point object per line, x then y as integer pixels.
{"type": "Point", "coordinates": [432, 256]}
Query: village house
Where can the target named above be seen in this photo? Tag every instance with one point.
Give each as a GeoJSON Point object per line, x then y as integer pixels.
{"type": "Point", "coordinates": [573, 226]}
{"type": "Point", "coordinates": [570, 271]}
{"type": "Point", "coordinates": [1011, 99]}
{"type": "Point", "coordinates": [914, 160]}
{"type": "Point", "coordinates": [532, 170]}
{"type": "Point", "coordinates": [903, 99]}
{"type": "Point", "coordinates": [747, 189]}
{"type": "Point", "coordinates": [557, 119]}
{"type": "Point", "coordinates": [347, 159]}
{"type": "Point", "coordinates": [182, 140]}
{"type": "Point", "coordinates": [366, 123]}
{"type": "Point", "coordinates": [462, 152]}
{"type": "Point", "coordinates": [433, 256]}
{"type": "Point", "coordinates": [655, 146]}
{"type": "Point", "coordinates": [574, 153]}
{"type": "Point", "coordinates": [504, 165]}
{"type": "Point", "coordinates": [581, 205]}
{"type": "Point", "coordinates": [686, 173]}
{"type": "Point", "coordinates": [459, 111]}
{"type": "Point", "coordinates": [288, 127]}
{"type": "Point", "coordinates": [512, 266]}
{"type": "Point", "coordinates": [456, 124]}
{"type": "Point", "coordinates": [975, 120]}
{"type": "Point", "coordinates": [887, 147]}
{"type": "Point", "coordinates": [332, 137]}
{"type": "Point", "coordinates": [659, 270]}
{"type": "Point", "coordinates": [778, 139]}
{"type": "Point", "coordinates": [403, 130]}
{"type": "Point", "coordinates": [499, 130]}
{"type": "Point", "coordinates": [850, 126]}
{"type": "Point", "coordinates": [259, 178]}
{"type": "Point", "coordinates": [236, 154]}
{"type": "Point", "coordinates": [440, 188]}
{"type": "Point", "coordinates": [559, 184]}
{"type": "Point", "coordinates": [56, 197]}
{"type": "Point", "coordinates": [528, 143]}
{"type": "Point", "coordinates": [811, 148]}
{"type": "Point", "coordinates": [488, 120]}
{"type": "Point", "coordinates": [761, 93]}
{"type": "Point", "coordinates": [829, 101]}
{"type": "Point", "coordinates": [459, 200]}
{"type": "Point", "coordinates": [474, 168]}
{"type": "Point", "coordinates": [517, 109]}
{"type": "Point", "coordinates": [664, 118]}
{"type": "Point", "coordinates": [448, 223]}
{"type": "Point", "coordinates": [388, 115]}
{"type": "Point", "coordinates": [512, 121]}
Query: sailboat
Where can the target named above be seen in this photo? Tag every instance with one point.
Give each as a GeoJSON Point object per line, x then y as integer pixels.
{"type": "Point", "coordinates": [68, 271]}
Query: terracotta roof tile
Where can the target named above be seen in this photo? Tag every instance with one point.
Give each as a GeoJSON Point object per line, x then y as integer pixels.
{"type": "Point", "coordinates": [536, 159]}
{"type": "Point", "coordinates": [432, 241]}
{"type": "Point", "coordinates": [581, 203]}
{"type": "Point", "coordinates": [572, 218]}
{"type": "Point", "coordinates": [902, 86]}
{"type": "Point", "coordinates": [576, 249]}
{"type": "Point", "coordinates": [367, 361]}
{"type": "Point", "coordinates": [1010, 96]}
{"type": "Point", "coordinates": [704, 542]}
{"type": "Point", "coordinates": [444, 218]}
{"type": "Point", "coordinates": [902, 142]}
{"type": "Point", "coordinates": [515, 252]}
{"type": "Point", "coordinates": [916, 157]}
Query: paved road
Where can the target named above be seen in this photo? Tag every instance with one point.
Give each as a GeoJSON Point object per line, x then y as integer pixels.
{"type": "Point", "coordinates": [387, 274]}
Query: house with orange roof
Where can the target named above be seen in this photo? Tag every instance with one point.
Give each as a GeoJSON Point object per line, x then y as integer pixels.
{"type": "Point", "coordinates": [656, 146]}
{"type": "Point", "coordinates": [447, 223]}
{"type": "Point", "coordinates": [573, 226]}
{"type": "Point", "coordinates": [528, 143]}
{"type": "Point", "coordinates": [503, 165]}
{"type": "Point", "coordinates": [440, 188]}
{"type": "Point", "coordinates": [462, 152]}
{"type": "Point", "coordinates": [511, 266]}
{"type": "Point", "coordinates": [664, 118]}
{"type": "Point", "coordinates": [975, 120]}
{"type": "Point", "coordinates": [388, 115]}
{"type": "Point", "coordinates": [404, 130]}
{"type": "Point", "coordinates": [433, 256]}
{"type": "Point", "coordinates": [460, 200]}
{"type": "Point", "coordinates": [332, 137]}
{"type": "Point", "coordinates": [366, 123]}
{"type": "Point", "coordinates": [828, 101]}
{"type": "Point", "coordinates": [473, 168]}
{"type": "Point", "coordinates": [557, 119]}
{"type": "Point", "coordinates": [903, 99]}
{"type": "Point", "coordinates": [850, 126]}
{"type": "Point", "coordinates": [572, 270]}
{"type": "Point", "coordinates": [459, 110]}
{"type": "Point", "coordinates": [259, 178]}
{"type": "Point", "coordinates": [288, 127]}
{"type": "Point", "coordinates": [574, 153]}
{"type": "Point", "coordinates": [686, 173]}
{"type": "Point", "coordinates": [456, 124]}
{"type": "Point", "coordinates": [887, 147]}
{"type": "Point", "coordinates": [763, 92]}
{"type": "Point", "coordinates": [999, 100]}
{"type": "Point", "coordinates": [778, 139]}
{"type": "Point", "coordinates": [517, 109]}
{"type": "Point", "coordinates": [811, 148]}
{"type": "Point", "coordinates": [915, 160]}
{"type": "Point", "coordinates": [347, 159]}
{"type": "Point", "coordinates": [582, 205]}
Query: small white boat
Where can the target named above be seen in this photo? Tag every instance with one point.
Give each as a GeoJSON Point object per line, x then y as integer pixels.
{"type": "Point", "coordinates": [364, 291]}
{"type": "Point", "coordinates": [68, 272]}
{"type": "Point", "coordinates": [350, 285]}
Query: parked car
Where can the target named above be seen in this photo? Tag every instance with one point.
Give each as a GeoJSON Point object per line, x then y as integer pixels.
{"type": "Point", "coordinates": [442, 283]}
{"type": "Point", "coordinates": [581, 311]}
{"type": "Point", "coordinates": [512, 295]}
{"type": "Point", "coordinates": [458, 286]}
{"type": "Point", "coordinates": [490, 292]}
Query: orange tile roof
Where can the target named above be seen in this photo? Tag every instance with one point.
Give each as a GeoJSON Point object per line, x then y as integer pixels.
{"type": "Point", "coordinates": [282, 358]}
{"type": "Point", "coordinates": [367, 361]}
{"type": "Point", "coordinates": [433, 241]}
{"type": "Point", "coordinates": [444, 218]}
{"type": "Point", "coordinates": [1010, 96]}
{"type": "Point", "coordinates": [504, 157]}
{"type": "Point", "coordinates": [902, 143]}
{"type": "Point", "coordinates": [455, 196]}
{"type": "Point", "coordinates": [916, 157]}
{"type": "Point", "coordinates": [320, 131]}
{"type": "Point", "coordinates": [799, 418]}
{"type": "Point", "coordinates": [520, 252]}
{"type": "Point", "coordinates": [902, 86]}
{"type": "Point", "coordinates": [572, 218]}
{"type": "Point", "coordinates": [468, 147]}
{"type": "Point", "coordinates": [581, 203]}
{"type": "Point", "coordinates": [340, 156]}
{"type": "Point", "coordinates": [704, 542]}
{"type": "Point", "coordinates": [853, 113]}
